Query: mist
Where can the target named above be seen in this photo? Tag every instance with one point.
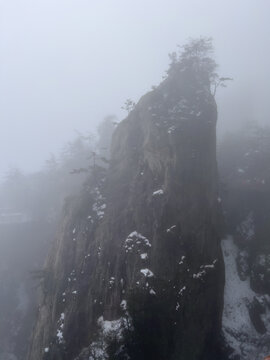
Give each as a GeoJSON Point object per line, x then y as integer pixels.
{"type": "Point", "coordinates": [65, 65]}
{"type": "Point", "coordinates": [134, 180]}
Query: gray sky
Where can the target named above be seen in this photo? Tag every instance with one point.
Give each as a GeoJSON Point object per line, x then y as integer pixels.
{"type": "Point", "coordinates": [65, 64]}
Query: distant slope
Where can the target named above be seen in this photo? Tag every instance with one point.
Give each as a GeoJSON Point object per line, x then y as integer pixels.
{"type": "Point", "coordinates": [23, 248]}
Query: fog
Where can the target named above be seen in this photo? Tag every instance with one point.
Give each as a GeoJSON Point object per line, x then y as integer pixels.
{"type": "Point", "coordinates": [120, 255]}
{"type": "Point", "coordinates": [65, 65]}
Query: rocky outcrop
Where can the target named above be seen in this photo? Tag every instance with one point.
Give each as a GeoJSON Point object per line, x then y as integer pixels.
{"type": "Point", "coordinates": [246, 202]}
{"type": "Point", "coordinates": [246, 312]}
{"type": "Point", "coordinates": [137, 268]}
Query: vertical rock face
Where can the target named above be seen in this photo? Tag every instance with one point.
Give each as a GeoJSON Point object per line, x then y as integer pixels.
{"type": "Point", "coordinates": [137, 270]}
{"type": "Point", "coordinates": [246, 314]}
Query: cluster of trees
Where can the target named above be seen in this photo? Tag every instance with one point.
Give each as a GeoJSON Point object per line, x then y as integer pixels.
{"type": "Point", "coordinates": [41, 194]}
{"type": "Point", "coordinates": [196, 58]}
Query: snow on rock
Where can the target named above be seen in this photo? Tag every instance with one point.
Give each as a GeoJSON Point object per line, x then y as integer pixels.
{"type": "Point", "coordinates": [109, 327]}
{"type": "Point", "coordinates": [203, 270]}
{"type": "Point", "coordinates": [99, 205]}
{"type": "Point", "coordinates": [115, 327]}
{"type": "Point", "coordinates": [184, 109]}
{"type": "Point", "coordinates": [246, 229]}
{"type": "Point", "coordinates": [123, 305]}
{"type": "Point", "coordinates": [171, 228]}
{"type": "Point", "coordinates": [199, 275]}
{"type": "Point", "coordinates": [171, 129]}
{"type": "Point", "coordinates": [59, 335]}
{"type": "Point", "coordinates": [98, 350]}
{"type": "Point", "coordinates": [181, 107]}
{"type": "Point", "coordinates": [158, 192]}
{"type": "Point", "coordinates": [111, 282]}
{"type": "Point", "coordinates": [59, 331]}
{"type": "Point", "coordinates": [238, 329]}
{"type": "Point", "coordinates": [147, 272]}
{"type": "Point", "coordinates": [152, 292]}
{"type": "Point", "coordinates": [135, 240]}
{"type": "Point", "coordinates": [181, 262]}
{"type": "Point", "coordinates": [98, 209]}
{"type": "Point", "coordinates": [144, 256]}
{"type": "Point", "coordinates": [262, 259]}
{"type": "Point", "coordinates": [181, 291]}
{"type": "Point", "coordinates": [90, 219]}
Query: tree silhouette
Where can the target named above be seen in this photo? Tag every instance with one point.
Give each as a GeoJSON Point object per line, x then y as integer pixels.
{"type": "Point", "coordinates": [195, 58]}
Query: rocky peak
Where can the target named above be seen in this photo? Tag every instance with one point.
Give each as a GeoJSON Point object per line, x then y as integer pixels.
{"type": "Point", "coordinates": [137, 269]}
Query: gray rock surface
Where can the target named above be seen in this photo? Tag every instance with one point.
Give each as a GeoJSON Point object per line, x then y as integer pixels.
{"type": "Point", "coordinates": [137, 268]}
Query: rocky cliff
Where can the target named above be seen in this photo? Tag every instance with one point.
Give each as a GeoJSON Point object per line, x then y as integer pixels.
{"type": "Point", "coordinates": [244, 170]}
{"type": "Point", "coordinates": [137, 269]}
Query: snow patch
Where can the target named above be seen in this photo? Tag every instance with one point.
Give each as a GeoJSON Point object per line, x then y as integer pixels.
{"type": "Point", "coordinates": [135, 240]}
{"type": "Point", "coordinates": [238, 329]}
{"type": "Point", "coordinates": [171, 129]}
{"type": "Point", "coordinates": [181, 262]}
{"type": "Point", "coordinates": [247, 229]}
{"type": "Point", "coordinates": [99, 205]}
{"type": "Point", "coordinates": [204, 269]}
{"type": "Point", "coordinates": [123, 305]}
{"type": "Point", "coordinates": [59, 331]}
{"type": "Point", "coordinates": [110, 326]}
{"type": "Point", "coordinates": [147, 272]}
{"type": "Point", "coordinates": [158, 192]}
{"type": "Point", "coordinates": [111, 282]}
{"type": "Point", "coordinates": [108, 330]}
{"type": "Point", "coordinates": [181, 291]}
{"type": "Point", "coordinates": [171, 228]}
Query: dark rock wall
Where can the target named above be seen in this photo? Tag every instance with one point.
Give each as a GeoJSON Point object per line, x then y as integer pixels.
{"type": "Point", "coordinates": [137, 269]}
